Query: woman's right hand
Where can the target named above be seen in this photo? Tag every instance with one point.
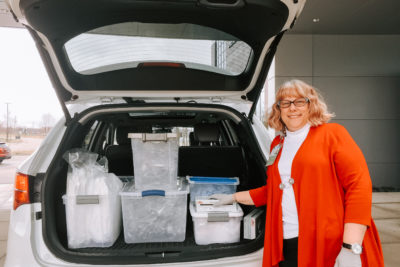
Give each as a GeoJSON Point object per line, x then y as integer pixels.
{"type": "Point", "coordinates": [223, 199]}
{"type": "Point", "coordinates": [346, 258]}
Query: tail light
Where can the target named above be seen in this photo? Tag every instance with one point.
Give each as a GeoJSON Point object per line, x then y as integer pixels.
{"type": "Point", "coordinates": [21, 190]}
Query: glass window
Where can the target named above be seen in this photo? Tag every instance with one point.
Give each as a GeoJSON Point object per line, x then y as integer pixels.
{"type": "Point", "coordinates": [89, 136]}
{"type": "Point", "coordinates": [126, 45]}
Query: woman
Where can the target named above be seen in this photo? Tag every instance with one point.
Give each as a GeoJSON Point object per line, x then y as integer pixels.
{"type": "Point", "coordinates": [318, 192]}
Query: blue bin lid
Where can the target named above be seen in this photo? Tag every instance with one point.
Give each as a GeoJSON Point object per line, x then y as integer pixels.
{"type": "Point", "coordinates": [213, 180]}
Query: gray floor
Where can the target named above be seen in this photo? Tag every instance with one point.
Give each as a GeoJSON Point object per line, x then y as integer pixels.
{"type": "Point", "coordinates": [5, 206]}
{"type": "Point", "coordinates": [385, 211]}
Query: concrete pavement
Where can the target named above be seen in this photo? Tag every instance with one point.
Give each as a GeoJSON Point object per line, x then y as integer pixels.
{"type": "Point", "coordinates": [385, 211]}
{"type": "Point", "coordinates": [6, 201]}
{"type": "Point", "coordinates": [386, 214]}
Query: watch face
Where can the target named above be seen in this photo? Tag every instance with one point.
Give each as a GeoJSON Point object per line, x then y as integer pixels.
{"type": "Point", "coordinates": [356, 248]}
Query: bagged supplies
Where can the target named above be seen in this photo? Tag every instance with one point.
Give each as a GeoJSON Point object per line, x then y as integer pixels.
{"type": "Point", "coordinates": [92, 202]}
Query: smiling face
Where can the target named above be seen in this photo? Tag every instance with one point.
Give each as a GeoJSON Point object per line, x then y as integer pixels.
{"type": "Point", "coordinates": [294, 117]}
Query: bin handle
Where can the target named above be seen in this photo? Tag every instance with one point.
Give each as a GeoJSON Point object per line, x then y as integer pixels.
{"type": "Point", "coordinates": [87, 199]}
{"type": "Point", "coordinates": [147, 193]}
{"type": "Point", "coordinates": [218, 217]}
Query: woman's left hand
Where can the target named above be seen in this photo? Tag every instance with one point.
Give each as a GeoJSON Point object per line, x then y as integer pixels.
{"type": "Point", "coordinates": [346, 258]}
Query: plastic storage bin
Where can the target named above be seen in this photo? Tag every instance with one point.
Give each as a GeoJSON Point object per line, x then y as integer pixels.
{"type": "Point", "coordinates": [216, 227]}
{"type": "Point", "coordinates": [207, 186]}
{"type": "Point", "coordinates": [155, 160]}
{"type": "Point", "coordinates": [92, 220]}
{"type": "Point", "coordinates": [154, 215]}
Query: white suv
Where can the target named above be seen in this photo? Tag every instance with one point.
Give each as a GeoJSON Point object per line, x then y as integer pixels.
{"type": "Point", "coordinates": [196, 67]}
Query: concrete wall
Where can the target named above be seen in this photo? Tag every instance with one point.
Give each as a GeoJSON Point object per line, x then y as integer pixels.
{"type": "Point", "coordinates": [359, 77]}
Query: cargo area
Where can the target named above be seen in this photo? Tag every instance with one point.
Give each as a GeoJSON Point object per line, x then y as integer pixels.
{"type": "Point", "coordinates": [217, 143]}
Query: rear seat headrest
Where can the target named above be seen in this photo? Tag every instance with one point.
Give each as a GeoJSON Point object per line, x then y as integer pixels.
{"type": "Point", "coordinates": [206, 132]}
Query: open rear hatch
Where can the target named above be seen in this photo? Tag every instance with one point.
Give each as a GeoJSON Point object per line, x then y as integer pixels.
{"type": "Point", "coordinates": [180, 49]}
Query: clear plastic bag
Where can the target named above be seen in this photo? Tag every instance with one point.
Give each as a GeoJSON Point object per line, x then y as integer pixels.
{"type": "Point", "coordinates": [95, 222]}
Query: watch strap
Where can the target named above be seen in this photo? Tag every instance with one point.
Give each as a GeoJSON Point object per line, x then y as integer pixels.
{"type": "Point", "coordinates": [348, 246]}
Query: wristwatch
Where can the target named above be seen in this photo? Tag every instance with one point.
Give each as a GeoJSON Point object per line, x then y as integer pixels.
{"type": "Point", "coordinates": [355, 248]}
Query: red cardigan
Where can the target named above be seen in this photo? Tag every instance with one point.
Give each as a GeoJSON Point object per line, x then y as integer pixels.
{"type": "Point", "coordinates": [332, 187]}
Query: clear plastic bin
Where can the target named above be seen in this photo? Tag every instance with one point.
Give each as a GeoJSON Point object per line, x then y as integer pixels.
{"type": "Point", "coordinates": [155, 160]}
{"type": "Point", "coordinates": [216, 227]}
{"type": "Point", "coordinates": [92, 220]}
{"type": "Point", "coordinates": [206, 186]}
{"type": "Point", "coordinates": [154, 215]}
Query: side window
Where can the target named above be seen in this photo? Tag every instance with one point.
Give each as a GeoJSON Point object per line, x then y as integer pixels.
{"type": "Point", "coordinates": [106, 139]}
{"type": "Point", "coordinates": [184, 133]}
{"type": "Point", "coordinates": [103, 138]}
{"type": "Point", "coordinates": [89, 137]}
{"type": "Point", "coordinates": [98, 137]}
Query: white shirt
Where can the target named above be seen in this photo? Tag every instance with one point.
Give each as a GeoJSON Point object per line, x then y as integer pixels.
{"type": "Point", "coordinates": [291, 145]}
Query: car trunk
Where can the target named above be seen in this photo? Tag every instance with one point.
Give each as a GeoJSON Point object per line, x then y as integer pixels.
{"type": "Point", "coordinates": [91, 130]}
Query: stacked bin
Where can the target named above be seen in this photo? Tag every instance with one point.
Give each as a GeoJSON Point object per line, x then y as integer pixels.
{"type": "Point", "coordinates": [154, 207]}
{"type": "Point", "coordinates": [206, 186]}
{"type": "Point", "coordinates": [214, 224]}
{"type": "Point", "coordinates": [155, 160]}
{"type": "Point", "coordinates": [154, 215]}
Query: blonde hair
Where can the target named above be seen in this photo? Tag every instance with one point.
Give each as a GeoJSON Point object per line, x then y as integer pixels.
{"type": "Point", "coordinates": [318, 111]}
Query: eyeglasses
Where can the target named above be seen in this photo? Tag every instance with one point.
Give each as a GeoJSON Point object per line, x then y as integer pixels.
{"type": "Point", "coordinates": [299, 102]}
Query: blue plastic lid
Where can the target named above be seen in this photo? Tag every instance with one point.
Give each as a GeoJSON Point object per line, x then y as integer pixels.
{"type": "Point", "coordinates": [213, 180]}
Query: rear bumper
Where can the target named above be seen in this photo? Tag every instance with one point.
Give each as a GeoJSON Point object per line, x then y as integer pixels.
{"type": "Point", "coordinates": [26, 248]}
{"type": "Point", "coordinates": [19, 246]}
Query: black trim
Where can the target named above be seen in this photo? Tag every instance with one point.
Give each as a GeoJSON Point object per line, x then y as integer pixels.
{"type": "Point", "coordinates": [222, 3]}
{"type": "Point", "coordinates": [53, 212]}
{"type": "Point", "coordinates": [35, 187]}
{"type": "Point", "coordinates": [255, 94]}
{"type": "Point", "coordinates": [38, 215]}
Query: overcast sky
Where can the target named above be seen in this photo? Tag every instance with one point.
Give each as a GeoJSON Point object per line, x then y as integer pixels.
{"type": "Point", "coordinates": [23, 80]}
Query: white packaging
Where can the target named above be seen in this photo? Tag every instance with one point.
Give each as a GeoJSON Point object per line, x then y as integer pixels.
{"type": "Point", "coordinates": [252, 224]}
{"type": "Point", "coordinates": [154, 215]}
{"type": "Point", "coordinates": [92, 220]}
{"type": "Point", "coordinates": [155, 160]}
{"type": "Point", "coordinates": [206, 204]}
{"type": "Point", "coordinates": [92, 202]}
{"type": "Point", "coordinates": [216, 227]}
{"type": "Point", "coordinates": [206, 186]}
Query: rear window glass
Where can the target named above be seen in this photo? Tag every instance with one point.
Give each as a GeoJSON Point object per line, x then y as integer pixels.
{"type": "Point", "coordinates": [126, 45]}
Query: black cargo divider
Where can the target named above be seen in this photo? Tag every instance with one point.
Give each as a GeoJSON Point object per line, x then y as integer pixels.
{"type": "Point", "coordinates": [218, 161]}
